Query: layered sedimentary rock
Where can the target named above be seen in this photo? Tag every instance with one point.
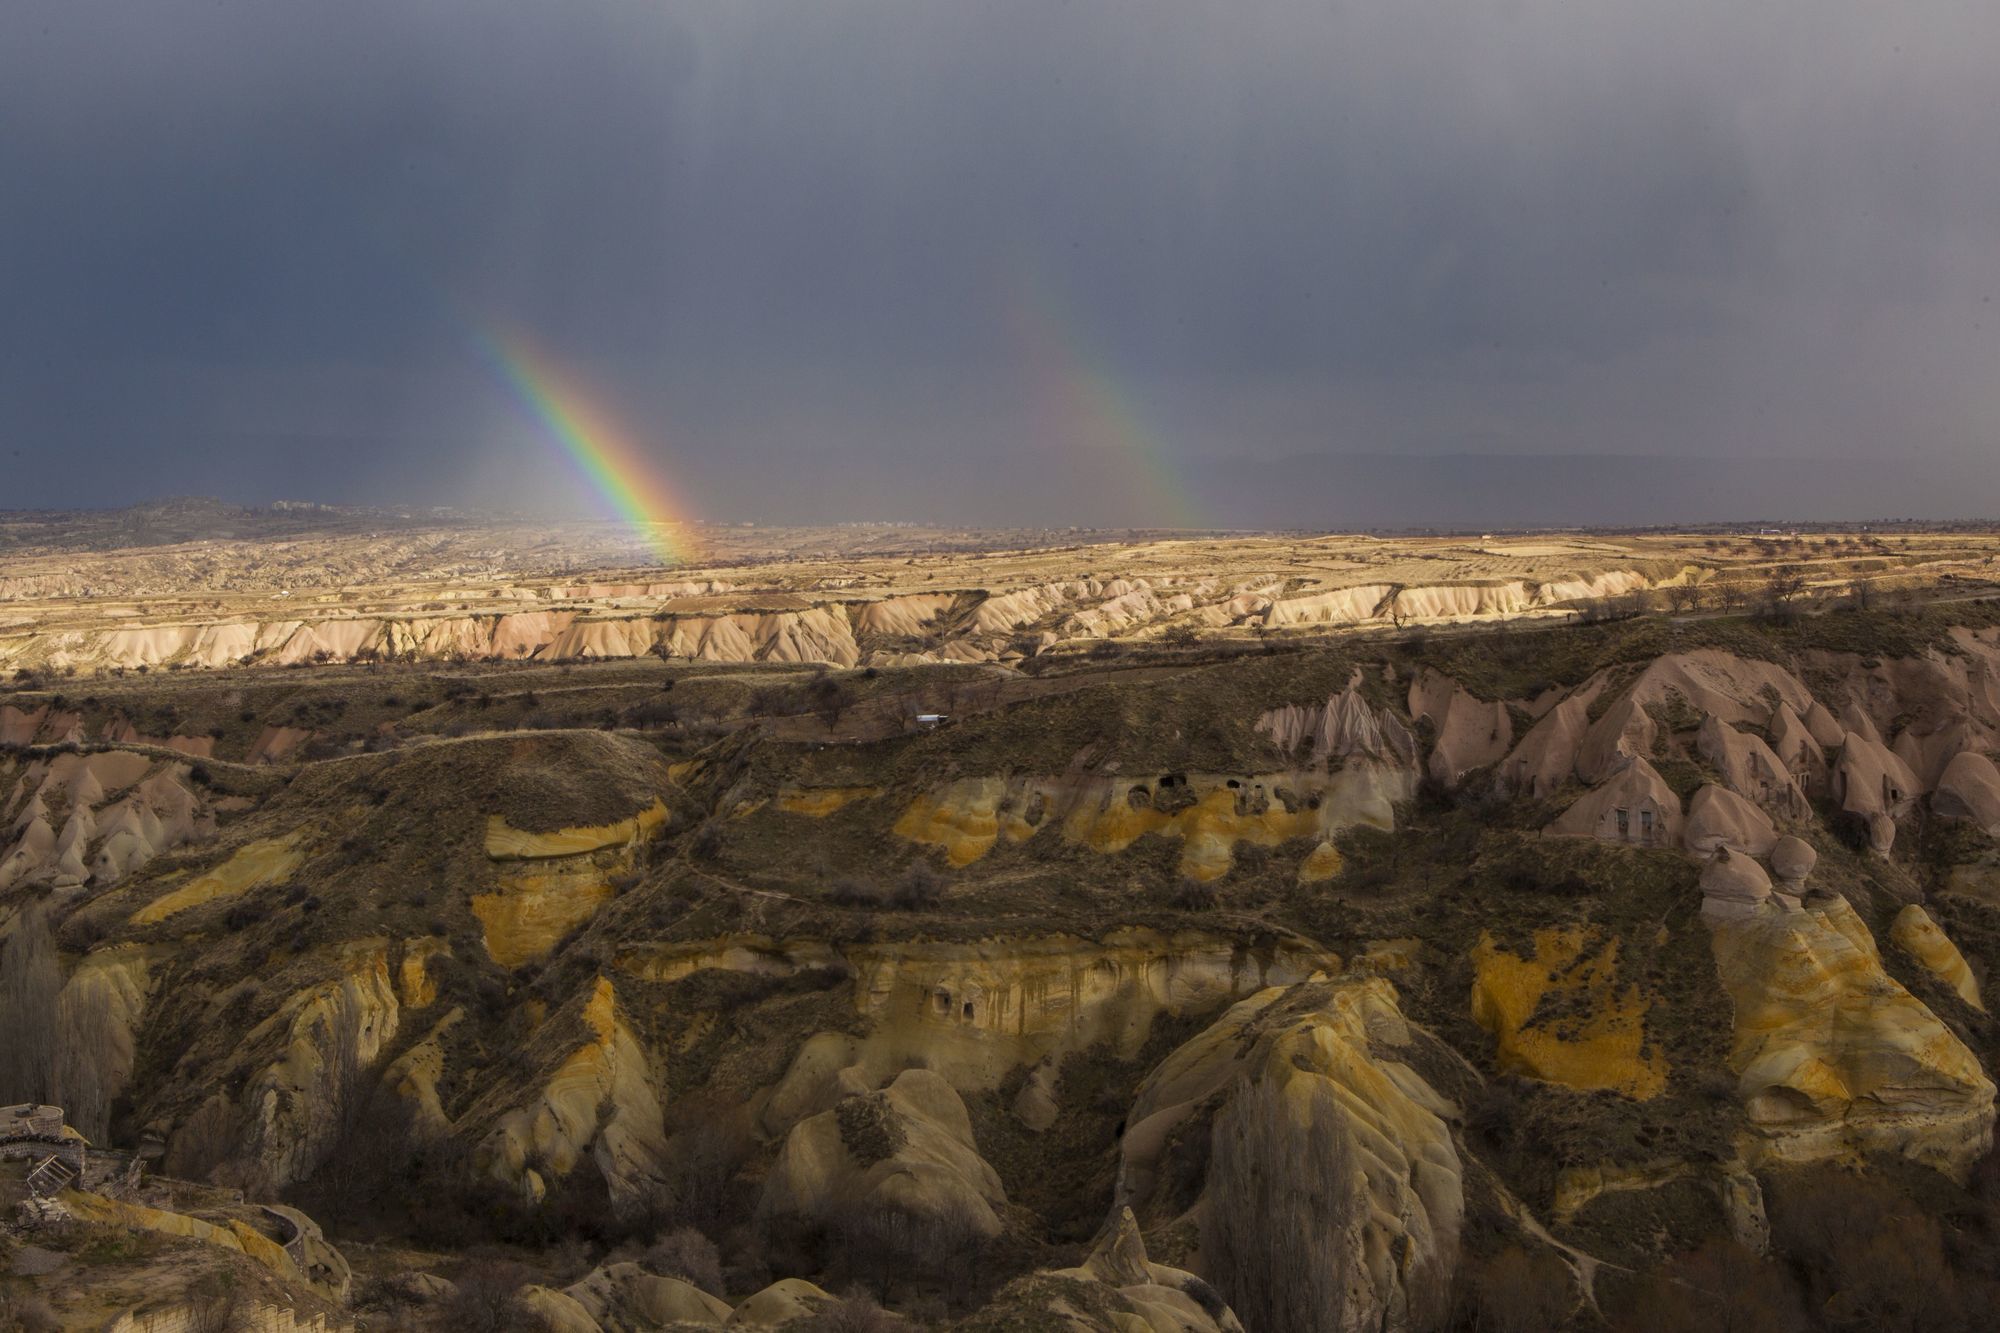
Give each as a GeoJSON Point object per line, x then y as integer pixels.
{"type": "Point", "coordinates": [96, 818]}
{"type": "Point", "coordinates": [1118, 1289]}
{"type": "Point", "coordinates": [546, 884]}
{"type": "Point", "coordinates": [1718, 817]}
{"type": "Point", "coordinates": [975, 1012]}
{"type": "Point", "coordinates": [1969, 788]}
{"type": "Point", "coordinates": [1916, 934]}
{"type": "Point", "coordinates": [1547, 756]}
{"type": "Point", "coordinates": [255, 865]}
{"type": "Point", "coordinates": [625, 1298]}
{"type": "Point", "coordinates": [1346, 726]}
{"type": "Point", "coordinates": [297, 1071]}
{"type": "Point", "coordinates": [1624, 733]}
{"type": "Point", "coordinates": [594, 1097]}
{"type": "Point", "coordinates": [1208, 813]}
{"type": "Point", "coordinates": [1322, 1052]}
{"type": "Point", "coordinates": [1733, 884]}
{"type": "Point", "coordinates": [1835, 1060]}
{"type": "Point", "coordinates": [1749, 767]}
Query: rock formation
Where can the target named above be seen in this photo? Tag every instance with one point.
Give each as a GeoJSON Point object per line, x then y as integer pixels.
{"type": "Point", "coordinates": [1835, 1061]}
{"type": "Point", "coordinates": [1312, 1049]}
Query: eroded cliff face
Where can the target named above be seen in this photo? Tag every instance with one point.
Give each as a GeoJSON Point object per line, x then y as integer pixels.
{"type": "Point", "coordinates": [592, 941]}
{"type": "Point", "coordinates": [1322, 1056]}
{"type": "Point", "coordinates": [548, 883]}
{"type": "Point", "coordinates": [594, 1095]}
{"type": "Point", "coordinates": [976, 1012]}
{"type": "Point", "coordinates": [1209, 814]}
{"type": "Point", "coordinates": [1835, 1060]}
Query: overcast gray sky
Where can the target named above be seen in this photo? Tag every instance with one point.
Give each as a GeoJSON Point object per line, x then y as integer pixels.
{"type": "Point", "coordinates": [1101, 262]}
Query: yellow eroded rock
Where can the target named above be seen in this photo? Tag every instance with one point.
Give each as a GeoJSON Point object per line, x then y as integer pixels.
{"type": "Point", "coordinates": [1561, 1015]}
{"type": "Point", "coordinates": [325, 1033]}
{"type": "Point", "coordinates": [533, 910]}
{"type": "Point", "coordinates": [1836, 1061]}
{"type": "Point", "coordinates": [1577, 1186]}
{"type": "Point", "coordinates": [254, 866]}
{"type": "Point", "coordinates": [906, 1151]}
{"type": "Point", "coordinates": [504, 842]}
{"type": "Point", "coordinates": [1209, 813]}
{"type": "Point", "coordinates": [1917, 935]}
{"type": "Point", "coordinates": [1321, 864]}
{"type": "Point", "coordinates": [598, 1099]}
{"type": "Point", "coordinates": [417, 987]}
{"type": "Point", "coordinates": [819, 802]}
{"type": "Point", "coordinates": [975, 1011]}
{"type": "Point", "coordinates": [1318, 1057]}
{"type": "Point", "coordinates": [415, 1075]}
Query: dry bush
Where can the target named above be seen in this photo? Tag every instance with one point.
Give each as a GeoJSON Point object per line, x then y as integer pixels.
{"type": "Point", "coordinates": [484, 1300]}
{"type": "Point", "coordinates": [1782, 589]}
{"type": "Point", "coordinates": [853, 891]}
{"type": "Point", "coordinates": [856, 1314]}
{"type": "Point", "coordinates": [1719, 1288]}
{"type": "Point", "coordinates": [708, 1146]}
{"type": "Point", "coordinates": [886, 1247]}
{"type": "Point", "coordinates": [217, 1305]}
{"type": "Point", "coordinates": [687, 1254]}
{"type": "Point", "coordinates": [1685, 597]}
{"type": "Point", "coordinates": [92, 1047]}
{"type": "Point", "coordinates": [1518, 1292]}
{"type": "Point", "coordinates": [30, 981]}
{"type": "Point", "coordinates": [1873, 1258]}
{"type": "Point", "coordinates": [920, 886]}
{"type": "Point", "coordinates": [26, 1312]}
{"type": "Point", "coordinates": [1278, 1192]}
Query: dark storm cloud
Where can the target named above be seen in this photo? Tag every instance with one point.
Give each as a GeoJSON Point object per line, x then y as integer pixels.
{"type": "Point", "coordinates": [1338, 258]}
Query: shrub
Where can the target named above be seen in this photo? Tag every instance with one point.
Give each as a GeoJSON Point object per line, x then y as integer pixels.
{"type": "Point", "coordinates": [25, 1312]}
{"type": "Point", "coordinates": [483, 1300]}
{"type": "Point", "coordinates": [856, 1314]}
{"type": "Point", "coordinates": [1518, 1292]}
{"type": "Point", "coordinates": [689, 1255]}
{"type": "Point", "coordinates": [851, 891]}
{"type": "Point", "coordinates": [921, 886]}
{"type": "Point", "coordinates": [1719, 1288]}
{"type": "Point", "coordinates": [30, 980]}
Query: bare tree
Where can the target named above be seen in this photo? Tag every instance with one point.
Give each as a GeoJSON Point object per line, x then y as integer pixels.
{"type": "Point", "coordinates": [30, 981]}
{"type": "Point", "coordinates": [1783, 587]}
{"type": "Point", "coordinates": [1280, 1193]}
{"type": "Point", "coordinates": [1683, 598]}
{"type": "Point", "coordinates": [93, 1053]}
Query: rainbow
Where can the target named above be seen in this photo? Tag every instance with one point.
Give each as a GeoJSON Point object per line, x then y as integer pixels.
{"type": "Point", "coordinates": [1081, 402]}
{"type": "Point", "coordinates": [608, 459]}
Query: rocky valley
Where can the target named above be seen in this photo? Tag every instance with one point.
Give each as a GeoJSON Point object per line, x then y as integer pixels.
{"type": "Point", "coordinates": [1123, 932]}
